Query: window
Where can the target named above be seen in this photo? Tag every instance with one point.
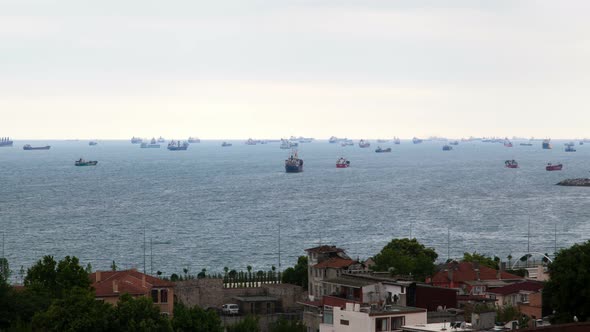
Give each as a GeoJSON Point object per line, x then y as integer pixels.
{"type": "Point", "coordinates": [155, 295]}
{"type": "Point", "coordinates": [403, 290]}
{"type": "Point", "coordinates": [524, 298]}
{"type": "Point", "coordinates": [381, 324]}
{"type": "Point", "coordinates": [164, 296]}
{"type": "Point", "coordinates": [397, 323]}
{"type": "Point", "coordinates": [344, 322]}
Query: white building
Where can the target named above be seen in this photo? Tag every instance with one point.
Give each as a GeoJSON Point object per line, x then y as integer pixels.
{"type": "Point", "coordinates": [354, 318]}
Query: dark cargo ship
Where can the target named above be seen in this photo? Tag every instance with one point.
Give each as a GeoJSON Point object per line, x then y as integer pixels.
{"type": "Point", "coordinates": [293, 164]}
{"type": "Point", "coordinates": [29, 147]}
{"type": "Point", "coordinates": [5, 142]}
{"type": "Point", "coordinates": [177, 146]}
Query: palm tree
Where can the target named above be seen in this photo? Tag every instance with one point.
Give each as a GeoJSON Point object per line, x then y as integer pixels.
{"type": "Point", "coordinates": [509, 261]}
{"type": "Point", "coordinates": [249, 268]}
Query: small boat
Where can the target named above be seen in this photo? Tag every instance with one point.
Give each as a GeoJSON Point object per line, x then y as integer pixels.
{"type": "Point", "coordinates": [454, 143]}
{"type": "Point", "coordinates": [286, 144]}
{"type": "Point", "coordinates": [417, 140]}
{"type": "Point", "coordinates": [194, 140]}
{"type": "Point", "coordinates": [250, 141]}
{"type": "Point", "coordinates": [5, 142]}
{"type": "Point", "coordinates": [447, 147]}
{"type": "Point", "coordinates": [581, 143]}
{"type": "Point", "coordinates": [161, 140]}
{"type": "Point", "coordinates": [347, 142]}
{"type": "Point", "coordinates": [547, 144]}
{"type": "Point", "coordinates": [136, 140]}
{"type": "Point", "coordinates": [82, 162]}
{"type": "Point", "coordinates": [177, 146]}
{"type": "Point", "coordinates": [396, 140]}
{"type": "Point", "coordinates": [381, 150]}
{"type": "Point", "coordinates": [342, 163]}
{"type": "Point", "coordinates": [570, 148]}
{"type": "Point", "coordinates": [333, 139]}
{"type": "Point", "coordinates": [226, 144]}
{"type": "Point", "coordinates": [511, 164]}
{"type": "Point", "coordinates": [152, 145]}
{"type": "Point", "coordinates": [293, 164]}
{"type": "Point", "coordinates": [364, 144]}
{"type": "Point", "coordinates": [92, 143]}
{"type": "Point", "coordinates": [29, 147]}
{"type": "Point", "coordinates": [507, 144]}
{"type": "Point", "coordinates": [553, 167]}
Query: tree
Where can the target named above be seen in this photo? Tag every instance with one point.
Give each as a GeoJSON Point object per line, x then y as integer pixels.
{"type": "Point", "coordinates": [195, 319]}
{"type": "Point", "coordinates": [4, 270]}
{"type": "Point", "coordinates": [569, 286]}
{"type": "Point", "coordinates": [283, 325]}
{"type": "Point", "coordinates": [54, 279]}
{"type": "Point", "coordinates": [77, 311]}
{"type": "Point", "coordinates": [139, 314]}
{"type": "Point", "coordinates": [482, 260]}
{"type": "Point", "coordinates": [248, 324]}
{"type": "Point", "coordinates": [297, 275]}
{"type": "Point", "coordinates": [114, 266]}
{"type": "Point", "coordinates": [406, 256]}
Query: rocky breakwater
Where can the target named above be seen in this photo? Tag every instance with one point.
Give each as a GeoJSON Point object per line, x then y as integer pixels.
{"type": "Point", "coordinates": [582, 182]}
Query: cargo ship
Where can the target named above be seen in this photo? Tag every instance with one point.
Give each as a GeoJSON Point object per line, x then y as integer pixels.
{"type": "Point", "coordinates": [250, 142]}
{"type": "Point", "coordinates": [570, 148]}
{"type": "Point", "coordinates": [507, 143]}
{"type": "Point", "coordinates": [161, 139]}
{"type": "Point", "coordinates": [177, 146]}
{"type": "Point", "coordinates": [226, 144]}
{"type": "Point", "coordinates": [547, 144]}
{"type": "Point", "coordinates": [381, 150]}
{"type": "Point", "coordinates": [333, 139]}
{"type": "Point", "coordinates": [194, 140]}
{"type": "Point", "coordinates": [29, 147]}
{"type": "Point", "coordinates": [82, 162]}
{"type": "Point", "coordinates": [511, 164]}
{"type": "Point", "coordinates": [553, 167]}
{"type": "Point", "coordinates": [454, 143]}
{"type": "Point", "coordinates": [396, 140]}
{"type": "Point", "coordinates": [5, 142]}
{"type": "Point", "coordinates": [364, 144]}
{"type": "Point", "coordinates": [293, 164]}
{"type": "Point", "coordinates": [447, 148]}
{"type": "Point", "coordinates": [136, 140]}
{"type": "Point", "coordinates": [92, 143]}
{"type": "Point", "coordinates": [342, 163]}
{"type": "Point", "coordinates": [417, 140]}
{"type": "Point", "coordinates": [152, 145]}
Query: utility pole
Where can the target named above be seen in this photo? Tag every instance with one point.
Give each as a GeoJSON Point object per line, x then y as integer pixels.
{"type": "Point", "coordinates": [3, 233]}
{"type": "Point", "coordinates": [279, 245]}
{"type": "Point", "coordinates": [410, 231]}
{"type": "Point", "coordinates": [151, 258]}
{"type": "Point", "coordinates": [448, 244]}
{"type": "Point", "coordinates": [555, 242]}
{"type": "Point", "coordinates": [144, 248]}
{"type": "Point", "coordinates": [528, 242]}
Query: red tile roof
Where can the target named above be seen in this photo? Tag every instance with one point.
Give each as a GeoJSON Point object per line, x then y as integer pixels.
{"type": "Point", "coordinates": [324, 249]}
{"type": "Point", "coordinates": [465, 271]}
{"type": "Point", "coordinates": [127, 281]}
{"type": "Point", "coordinates": [530, 286]}
{"type": "Point", "coordinates": [335, 263]}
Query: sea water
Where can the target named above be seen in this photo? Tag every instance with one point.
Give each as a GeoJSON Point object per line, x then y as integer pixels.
{"type": "Point", "coordinates": [211, 206]}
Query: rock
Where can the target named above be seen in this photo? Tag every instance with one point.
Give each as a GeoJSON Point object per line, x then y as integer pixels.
{"type": "Point", "coordinates": [582, 182]}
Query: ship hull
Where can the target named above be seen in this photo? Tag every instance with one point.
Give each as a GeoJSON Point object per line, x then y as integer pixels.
{"type": "Point", "coordinates": [181, 148]}
{"type": "Point", "coordinates": [293, 169]}
{"type": "Point", "coordinates": [342, 165]}
{"type": "Point", "coordinates": [554, 168]}
{"type": "Point", "coordinates": [4, 144]}
{"type": "Point", "coordinates": [511, 166]}
{"type": "Point", "coordinates": [87, 163]}
{"type": "Point", "coordinates": [37, 148]}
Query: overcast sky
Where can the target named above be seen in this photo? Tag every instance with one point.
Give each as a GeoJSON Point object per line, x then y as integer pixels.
{"type": "Point", "coordinates": [275, 68]}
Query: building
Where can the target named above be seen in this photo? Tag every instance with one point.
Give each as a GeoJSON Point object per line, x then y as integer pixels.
{"type": "Point", "coordinates": [327, 262]}
{"type": "Point", "coordinates": [472, 279]}
{"type": "Point", "coordinates": [110, 285]}
{"type": "Point", "coordinates": [356, 318]}
{"type": "Point", "coordinates": [526, 296]}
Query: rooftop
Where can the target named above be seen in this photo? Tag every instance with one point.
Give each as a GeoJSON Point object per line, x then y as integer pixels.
{"type": "Point", "coordinates": [324, 249]}
{"type": "Point", "coordinates": [466, 271]}
{"type": "Point", "coordinates": [256, 298]}
{"type": "Point", "coordinates": [434, 327]}
{"type": "Point", "coordinates": [527, 286]}
{"type": "Point", "coordinates": [335, 263]}
{"type": "Point", "coordinates": [114, 283]}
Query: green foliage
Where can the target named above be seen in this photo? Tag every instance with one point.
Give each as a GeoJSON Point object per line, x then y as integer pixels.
{"type": "Point", "coordinates": [406, 256]}
{"type": "Point", "coordinates": [77, 311]}
{"type": "Point", "coordinates": [4, 271]}
{"type": "Point", "coordinates": [139, 314]}
{"type": "Point", "coordinates": [54, 279]}
{"type": "Point", "coordinates": [507, 313]}
{"type": "Point", "coordinates": [283, 325]}
{"type": "Point", "coordinates": [297, 275]}
{"type": "Point", "coordinates": [248, 324]}
{"type": "Point", "coordinates": [195, 319]}
{"type": "Point", "coordinates": [569, 286]}
{"type": "Point", "coordinates": [482, 260]}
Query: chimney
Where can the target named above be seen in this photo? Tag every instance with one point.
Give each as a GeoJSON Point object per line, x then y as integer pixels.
{"type": "Point", "coordinates": [97, 276]}
{"type": "Point", "coordinates": [115, 286]}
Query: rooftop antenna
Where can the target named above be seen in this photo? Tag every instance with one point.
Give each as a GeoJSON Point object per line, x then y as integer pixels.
{"type": "Point", "coordinates": [144, 248]}
{"type": "Point", "coordinates": [555, 241]}
{"type": "Point", "coordinates": [448, 244]}
{"type": "Point", "coordinates": [411, 230]}
{"type": "Point", "coordinates": [279, 245]}
{"type": "Point", "coordinates": [3, 233]}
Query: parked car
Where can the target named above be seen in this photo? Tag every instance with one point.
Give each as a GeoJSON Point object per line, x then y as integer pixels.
{"type": "Point", "coordinates": [230, 309]}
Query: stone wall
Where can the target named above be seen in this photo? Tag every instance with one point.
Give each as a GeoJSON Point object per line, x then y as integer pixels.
{"type": "Point", "coordinates": [287, 294]}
